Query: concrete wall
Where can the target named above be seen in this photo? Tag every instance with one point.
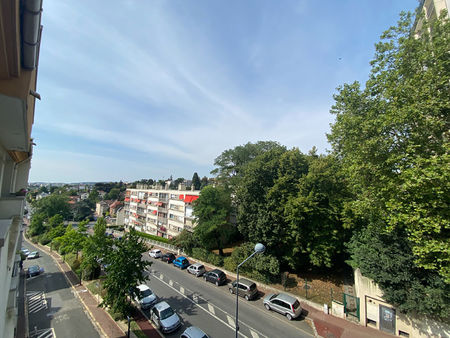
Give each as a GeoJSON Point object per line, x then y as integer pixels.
{"type": "Point", "coordinates": [371, 299]}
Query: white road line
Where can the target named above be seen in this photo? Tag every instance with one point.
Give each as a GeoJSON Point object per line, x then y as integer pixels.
{"type": "Point", "coordinates": [182, 290]}
{"type": "Point", "coordinates": [254, 334]}
{"type": "Point", "coordinates": [171, 282]}
{"type": "Point", "coordinates": [161, 276]}
{"type": "Point", "coordinates": [220, 320]}
{"type": "Point", "coordinates": [231, 321]}
{"type": "Point", "coordinates": [211, 309]}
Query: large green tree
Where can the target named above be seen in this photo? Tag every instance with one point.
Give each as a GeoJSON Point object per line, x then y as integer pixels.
{"type": "Point", "coordinates": [196, 182]}
{"type": "Point", "coordinates": [212, 210]}
{"type": "Point", "coordinates": [124, 272]}
{"type": "Point", "coordinates": [231, 163]}
{"type": "Point", "coordinates": [393, 139]}
{"type": "Point", "coordinates": [53, 205]}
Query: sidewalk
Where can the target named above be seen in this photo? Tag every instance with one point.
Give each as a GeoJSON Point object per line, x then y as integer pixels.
{"type": "Point", "coordinates": [105, 325]}
{"type": "Point", "coordinates": [333, 327]}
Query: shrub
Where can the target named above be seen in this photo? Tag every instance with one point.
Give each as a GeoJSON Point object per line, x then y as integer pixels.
{"type": "Point", "coordinates": [44, 239]}
{"type": "Point", "coordinates": [207, 256]}
{"type": "Point", "coordinates": [155, 238]}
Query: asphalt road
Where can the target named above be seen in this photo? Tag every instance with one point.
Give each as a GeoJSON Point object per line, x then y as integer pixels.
{"type": "Point", "coordinates": [53, 309]}
{"type": "Point", "coordinates": [213, 308]}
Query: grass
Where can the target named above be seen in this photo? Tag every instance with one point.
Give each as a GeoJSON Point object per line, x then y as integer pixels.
{"type": "Point", "coordinates": [137, 330]}
{"type": "Point", "coordinates": [155, 238]}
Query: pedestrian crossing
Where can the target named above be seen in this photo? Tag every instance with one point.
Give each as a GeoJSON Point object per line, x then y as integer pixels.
{"type": "Point", "coordinates": [44, 333]}
{"type": "Point", "coordinates": [36, 301]}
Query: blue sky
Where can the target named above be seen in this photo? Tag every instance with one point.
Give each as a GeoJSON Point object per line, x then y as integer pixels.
{"type": "Point", "coordinates": [148, 89]}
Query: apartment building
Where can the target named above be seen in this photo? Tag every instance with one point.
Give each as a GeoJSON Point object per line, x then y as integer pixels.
{"type": "Point", "coordinates": [158, 211]}
{"type": "Point", "coordinates": [20, 32]}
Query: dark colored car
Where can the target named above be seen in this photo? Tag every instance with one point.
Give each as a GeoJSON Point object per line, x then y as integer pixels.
{"type": "Point", "coordinates": [246, 289]}
{"type": "Point", "coordinates": [168, 257]}
{"type": "Point", "coordinates": [215, 276]}
{"type": "Point", "coordinates": [34, 270]}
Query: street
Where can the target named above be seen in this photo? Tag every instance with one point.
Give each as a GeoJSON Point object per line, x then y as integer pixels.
{"type": "Point", "coordinates": [53, 309]}
{"type": "Point", "coordinates": [212, 308]}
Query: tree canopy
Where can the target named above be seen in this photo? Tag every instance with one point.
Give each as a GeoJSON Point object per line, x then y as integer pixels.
{"type": "Point", "coordinates": [393, 140]}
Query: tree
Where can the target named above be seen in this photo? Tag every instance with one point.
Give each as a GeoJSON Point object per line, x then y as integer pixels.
{"type": "Point", "coordinates": [95, 249]}
{"type": "Point", "coordinates": [82, 210]}
{"type": "Point", "coordinates": [125, 272]}
{"type": "Point", "coordinates": [113, 194]}
{"type": "Point", "coordinates": [387, 258]}
{"type": "Point", "coordinates": [196, 182]}
{"type": "Point", "coordinates": [94, 196]}
{"type": "Point", "coordinates": [53, 205]}
{"type": "Point", "coordinates": [231, 163]}
{"type": "Point", "coordinates": [393, 140]}
{"type": "Point", "coordinates": [37, 226]}
{"type": "Point", "coordinates": [186, 240]}
{"type": "Point", "coordinates": [203, 182]}
{"type": "Point", "coordinates": [71, 241]}
{"type": "Point", "coordinates": [212, 210]}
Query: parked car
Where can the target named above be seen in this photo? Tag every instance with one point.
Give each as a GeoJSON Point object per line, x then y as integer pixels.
{"type": "Point", "coordinates": [168, 257]}
{"type": "Point", "coordinates": [181, 262]}
{"type": "Point", "coordinates": [25, 251]}
{"type": "Point", "coordinates": [34, 270]}
{"type": "Point", "coordinates": [165, 318]}
{"type": "Point", "coordinates": [215, 276]}
{"type": "Point", "coordinates": [196, 269]}
{"type": "Point", "coordinates": [155, 253]}
{"type": "Point", "coordinates": [284, 304]}
{"type": "Point", "coordinates": [147, 298]}
{"type": "Point", "coordinates": [193, 332]}
{"type": "Point", "coordinates": [33, 255]}
{"type": "Point", "coordinates": [246, 288]}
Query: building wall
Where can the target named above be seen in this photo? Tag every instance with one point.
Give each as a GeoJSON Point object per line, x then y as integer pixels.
{"type": "Point", "coordinates": [160, 212]}
{"type": "Point", "coordinates": [371, 303]}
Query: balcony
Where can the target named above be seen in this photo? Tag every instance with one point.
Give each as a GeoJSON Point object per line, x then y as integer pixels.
{"type": "Point", "coordinates": [11, 206]}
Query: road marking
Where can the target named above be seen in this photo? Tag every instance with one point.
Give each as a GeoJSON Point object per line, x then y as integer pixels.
{"type": "Point", "coordinates": [161, 276]}
{"type": "Point", "coordinates": [36, 301]}
{"type": "Point", "coordinates": [211, 309]}
{"type": "Point", "coordinates": [201, 307]}
{"type": "Point", "coordinates": [182, 290]}
{"type": "Point", "coordinates": [254, 334]}
{"type": "Point", "coordinates": [171, 282]}
{"type": "Point", "coordinates": [195, 297]}
{"type": "Point", "coordinates": [231, 321]}
{"type": "Point", "coordinates": [44, 333]}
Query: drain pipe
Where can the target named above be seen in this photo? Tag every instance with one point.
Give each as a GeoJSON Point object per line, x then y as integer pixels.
{"type": "Point", "coordinates": [31, 26]}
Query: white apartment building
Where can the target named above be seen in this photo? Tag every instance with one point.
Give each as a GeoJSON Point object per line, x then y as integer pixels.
{"type": "Point", "coordinates": [20, 32]}
{"type": "Point", "coordinates": [160, 212]}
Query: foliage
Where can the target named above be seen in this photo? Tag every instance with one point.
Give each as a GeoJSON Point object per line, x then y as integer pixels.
{"type": "Point", "coordinates": [393, 140]}
{"type": "Point", "coordinates": [262, 267]}
{"type": "Point", "coordinates": [52, 205]}
{"type": "Point", "coordinates": [185, 240]}
{"type": "Point", "coordinates": [212, 211]}
{"type": "Point", "coordinates": [125, 272]}
{"type": "Point", "coordinates": [37, 226]}
{"type": "Point", "coordinates": [387, 258]}
{"type": "Point", "coordinates": [153, 237]}
{"type": "Point", "coordinates": [94, 196]}
{"type": "Point", "coordinates": [44, 239]}
{"type": "Point", "coordinates": [231, 163]}
{"type": "Point", "coordinates": [196, 182]}
{"type": "Point", "coordinates": [207, 256]}
{"type": "Point", "coordinates": [113, 194]}
{"type": "Point", "coordinates": [203, 182]}
{"type": "Point", "coordinates": [82, 210]}
{"type": "Point", "coordinates": [72, 241]}
{"type": "Point", "coordinates": [95, 249]}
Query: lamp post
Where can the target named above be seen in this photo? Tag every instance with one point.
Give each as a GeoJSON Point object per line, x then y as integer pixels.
{"type": "Point", "coordinates": [259, 248]}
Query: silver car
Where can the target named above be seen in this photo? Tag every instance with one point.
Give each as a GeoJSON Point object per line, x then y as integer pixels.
{"type": "Point", "coordinates": [196, 269]}
{"type": "Point", "coordinates": [284, 304]}
{"type": "Point", "coordinates": [146, 297]}
{"type": "Point", "coordinates": [165, 318]}
{"type": "Point", "coordinates": [193, 332]}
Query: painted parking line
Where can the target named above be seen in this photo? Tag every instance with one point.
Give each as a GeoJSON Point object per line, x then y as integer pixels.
{"type": "Point", "coordinates": [182, 290]}
{"type": "Point", "coordinates": [44, 333]}
{"type": "Point", "coordinates": [254, 334]}
{"type": "Point", "coordinates": [231, 321]}
{"type": "Point", "coordinates": [211, 309]}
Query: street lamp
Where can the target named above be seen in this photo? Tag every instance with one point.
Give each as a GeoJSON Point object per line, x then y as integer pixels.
{"type": "Point", "coordinates": [259, 248]}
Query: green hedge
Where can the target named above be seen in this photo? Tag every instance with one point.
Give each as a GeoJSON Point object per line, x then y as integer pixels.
{"type": "Point", "coordinates": [155, 238]}
{"type": "Point", "coordinates": [207, 256]}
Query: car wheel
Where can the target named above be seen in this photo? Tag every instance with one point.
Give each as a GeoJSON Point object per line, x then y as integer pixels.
{"type": "Point", "coordinates": [217, 283]}
{"type": "Point", "coordinates": [246, 297]}
{"type": "Point", "coordinates": [267, 306]}
{"type": "Point", "coordinates": [231, 290]}
{"type": "Point", "coordinates": [288, 316]}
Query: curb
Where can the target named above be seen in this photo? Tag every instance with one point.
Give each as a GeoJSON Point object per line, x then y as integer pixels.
{"type": "Point", "coordinates": [97, 326]}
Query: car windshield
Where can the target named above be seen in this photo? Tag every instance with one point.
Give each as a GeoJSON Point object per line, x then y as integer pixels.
{"type": "Point", "coordinates": [275, 295]}
{"type": "Point", "coordinates": [296, 304]}
{"type": "Point", "coordinates": [253, 287]}
{"type": "Point", "coordinates": [146, 293]}
{"type": "Point", "coordinates": [33, 268]}
{"type": "Point", "coordinates": [166, 313]}
{"type": "Point", "coordinates": [200, 267]}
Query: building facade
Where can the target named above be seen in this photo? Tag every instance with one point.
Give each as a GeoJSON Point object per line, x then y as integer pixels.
{"type": "Point", "coordinates": [158, 211]}
{"type": "Point", "coordinates": [20, 32]}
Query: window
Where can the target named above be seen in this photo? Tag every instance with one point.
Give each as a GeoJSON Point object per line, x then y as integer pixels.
{"type": "Point", "coordinates": [403, 334]}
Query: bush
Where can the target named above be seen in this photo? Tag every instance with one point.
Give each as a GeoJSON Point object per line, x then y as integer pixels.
{"type": "Point", "coordinates": [34, 239]}
{"type": "Point", "coordinates": [155, 238]}
{"type": "Point", "coordinates": [44, 239]}
{"type": "Point", "coordinates": [207, 256]}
